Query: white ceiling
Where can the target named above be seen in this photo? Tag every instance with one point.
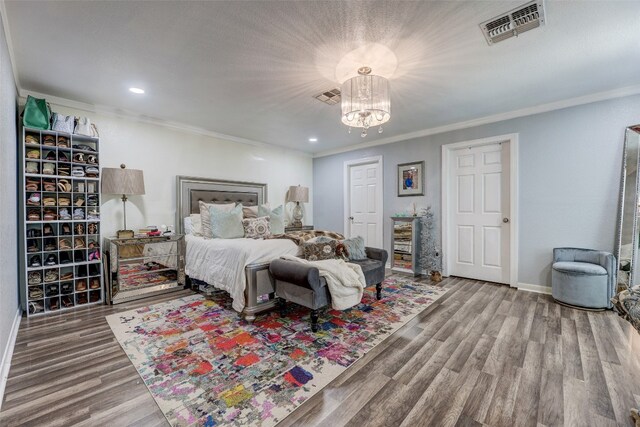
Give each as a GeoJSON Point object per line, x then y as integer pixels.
{"type": "Point", "coordinates": [249, 69]}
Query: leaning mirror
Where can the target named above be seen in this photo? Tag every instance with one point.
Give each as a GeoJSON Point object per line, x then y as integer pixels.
{"type": "Point", "coordinates": [628, 239]}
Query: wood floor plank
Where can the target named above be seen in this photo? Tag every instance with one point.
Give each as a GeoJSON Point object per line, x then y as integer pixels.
{"type": "Point", "coordinates": [483, 354]}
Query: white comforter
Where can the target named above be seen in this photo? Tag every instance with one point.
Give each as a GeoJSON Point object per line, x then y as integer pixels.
{"type": "Point", "coordinates": [345, 280]}
{"type": "Point", "coordinates": [222, 262]}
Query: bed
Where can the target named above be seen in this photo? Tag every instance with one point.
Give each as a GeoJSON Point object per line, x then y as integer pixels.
{"type": "Point", "coordinates": [238, 266]}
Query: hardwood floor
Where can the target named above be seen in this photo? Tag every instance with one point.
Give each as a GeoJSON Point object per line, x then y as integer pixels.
{"type": "Point", "coordinates": [483, 354]}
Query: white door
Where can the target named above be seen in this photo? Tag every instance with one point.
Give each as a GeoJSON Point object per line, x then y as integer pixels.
{"type": "Point", "coordinates": [479, 229]}
{"type": "Point", "coordinates": [364, 203]}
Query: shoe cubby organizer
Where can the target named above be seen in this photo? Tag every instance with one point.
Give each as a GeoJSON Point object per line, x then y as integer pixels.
{"type": "Point", "coordinates": [60, 221]}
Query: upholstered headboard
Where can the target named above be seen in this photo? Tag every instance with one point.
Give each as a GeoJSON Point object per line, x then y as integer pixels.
{"type": "Point", "coordinates": [190, 191]}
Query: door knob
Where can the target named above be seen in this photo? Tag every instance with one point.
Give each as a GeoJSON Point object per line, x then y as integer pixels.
{"type": "Point", "coordinates": [505, 220]}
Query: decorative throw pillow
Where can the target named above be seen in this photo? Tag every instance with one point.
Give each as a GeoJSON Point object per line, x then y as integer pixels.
{"type": "Point", "coordinates": [226, 224]}
{"type": "Point", "coordinates": [252, 211]}
{"type": "Point", "coordinates": [320, 251]}
{"type": "Point", "coordinates": [188, 225]}
{"type": "Point", "coordinates": [205, 216]}
{"type": "Point", "coordinates": [355, 248]}
{"type": "Point", "coordinates": [256, 228]}
{"type": "Point", "coordinates": [276, 218]}
{"type": "Point", "coordinates": [196, 224]}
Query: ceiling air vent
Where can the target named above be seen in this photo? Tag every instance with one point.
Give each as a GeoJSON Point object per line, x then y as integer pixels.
{"type": "Point", "coordinates": [514, 22]}
{"type": "Point", "coordinates": [330, 97]}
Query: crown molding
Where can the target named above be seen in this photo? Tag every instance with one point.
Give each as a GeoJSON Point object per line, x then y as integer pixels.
{"type": "Point", "coordinates": [137, 117]}
{"type": "Point", "coordinates": [529, 111]}
{"type": "Point", "coordinates": [7, 37]}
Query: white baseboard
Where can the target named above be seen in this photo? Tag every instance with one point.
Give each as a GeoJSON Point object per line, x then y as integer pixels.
{"type": "Point", "coordinates": [5, 362]}
{"type": "Point", "coordinates": [534, 288]}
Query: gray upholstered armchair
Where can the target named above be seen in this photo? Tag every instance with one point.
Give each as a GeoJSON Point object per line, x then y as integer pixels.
{"type": "Point", "coordinates": [583, 277]}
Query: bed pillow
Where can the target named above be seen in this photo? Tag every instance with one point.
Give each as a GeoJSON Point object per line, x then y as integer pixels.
{"type": "Point", "coordinates": [319, 251]}
{"type": "Point", "coordinates": [205, 216]}
{"type": "Point", "coordinates": [196, 224]}
{"type": "Point", "coordinates": [226, 224]}
{"type": "Point", "coordinates": [188, 225]}
{"type": "Point", "coordinates": [276, 218]}
{"type": "Point", "coordinates": [355, 248]}
{"type": "Point", "coordinates": [252, 211]}
{"type": "Point", "coordinates": [256, 228]}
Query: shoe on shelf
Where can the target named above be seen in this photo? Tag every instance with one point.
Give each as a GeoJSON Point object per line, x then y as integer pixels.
{"type": "Point", "coordinates": [32, 167]}
{"type": "Point", "coordinates": [50, 245]}
{"type": "Point", "coordinates": [94, 255]}
{"type": "Point", "coordinates": [49, 169]}
{"type": "Point", "coordinates": [63, 201]}
{"type": "Point", "coordinates": [54, 304]}
{"type": "Point", "coordinates": [33, 154]}
{"type": "Point", "coordinates": [81, 285]}
{"type": "Point", "coordinates": [93, 214]}
{"type": "Point", "coordinates": [64, 186]}
{"type": "Point", "coordinates": [94, 283]}
{"type": "Point", "coordinates": [31, 139]}
{"type": "Point", "coordinates": [78, 256]}
{"type": "Point", "coordinates": [32, 185]}
{"type": "Point", "coordinates": [35, 278]}
{"type": "Point", "coordinates": [33, 215]}
{"type": "Point", "coordinates": [64, 245]}
{"type": "Point", "coordinates": [62, 156]}
{"type": "Point", "coordinates": [33, 247]}
{"type": "Point", "coordinates": [92, 200]}
{"type": "Point", "coordinates": [66, 229]}
{"type": "Point", "coordinates": [51, 155]}
{"type": "Point", "coordinates": [79, 158]}
{"type": "Point", "coordinates": [67, 301]}
{"type": "Point", "coordinates": [67, 276]}
{"type": "Point", "coordinates": [93, 228]}
{"type": "Point", "coordinates": [79, 201]}
{"type": "Point", "coordinates": [64, 214]}
{"type": "Point", "coordinates": [49, 185]}
{"type": "Point", "coordinates": [50, 215]}
{"type": "Point", "coordinates": [34, 199]}
{"type": "Point", "coordinates": [78, 213]}
{"type": "Point", "coordinates": [63, 142]}
{"type": "Point", "coordinates": [79, 229]}
{"type": "Point", "coordinates": [51, 260]}
{"type": "Point", "coordinates": [34, 232]}
{"type": "Point", "coordinates": [35, 261]}
{"type": "Point", "coordinates": [35, 293]}
{"type": "Point", "coordinates": [66, 288]}
{"type": "Point", "coordinates": [48, 230]}
{"type": "Point", "coordinates": [49, 201]}
{"type": "Point", "coordinates": [64, 258]}
{"type": "Point", "coordinates": [35, 307]}
{"type": "Point", "coordinates": [77, 171]}
{"type": "Point", "coordinates": [49, 141]}
{"type": "Point", "coordinates": [51, 276]}
{"type": "Point", "coordinates": [79, 243]}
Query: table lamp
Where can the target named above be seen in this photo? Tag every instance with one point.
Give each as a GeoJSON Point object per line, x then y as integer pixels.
{"type": "Point", "coordinates": [297, 194]}
{"type": "Point", "coordinates": [128, 182]}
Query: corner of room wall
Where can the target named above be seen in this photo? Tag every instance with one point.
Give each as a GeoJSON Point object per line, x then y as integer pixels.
{"type": "Point", "coordinates": [10, 312]}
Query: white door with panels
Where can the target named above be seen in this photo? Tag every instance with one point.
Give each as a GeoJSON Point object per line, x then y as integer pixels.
{"type": "Point", "coordinates": [478, 212]}
{"type": "Point", "coordinates": [363, 201]}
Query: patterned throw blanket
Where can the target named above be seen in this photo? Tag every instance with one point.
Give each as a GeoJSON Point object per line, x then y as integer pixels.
{"type": "Point", "coordinates": [299, 237]}
{"type": "Point", "coordinates": [627, 304]}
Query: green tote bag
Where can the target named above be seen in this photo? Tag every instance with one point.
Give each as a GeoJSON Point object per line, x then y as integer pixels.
{"type": "Point", "coordinates": [36, 113]}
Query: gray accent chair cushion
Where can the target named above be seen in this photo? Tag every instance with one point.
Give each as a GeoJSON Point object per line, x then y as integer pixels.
{"type": "Point", "coordinates": [583, 277]}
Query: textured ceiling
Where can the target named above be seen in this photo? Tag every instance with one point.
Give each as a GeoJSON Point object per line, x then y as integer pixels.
{"type": "Point", "coordinates": [249, 69]}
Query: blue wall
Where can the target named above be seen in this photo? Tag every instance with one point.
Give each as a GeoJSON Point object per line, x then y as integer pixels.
{"type": "Point", "coordinates": [569, 177]}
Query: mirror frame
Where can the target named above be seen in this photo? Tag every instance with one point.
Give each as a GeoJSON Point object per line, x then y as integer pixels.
{"type": "Point", "coordinates": [628, 209]}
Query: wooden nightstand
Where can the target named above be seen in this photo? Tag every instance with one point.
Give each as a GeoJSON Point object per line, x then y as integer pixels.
{"type": "Point", "coordinates": [303, 228]}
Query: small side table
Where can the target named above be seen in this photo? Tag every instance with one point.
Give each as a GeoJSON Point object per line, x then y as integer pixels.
{"type": "Point", "coordinates": [143, 266]}
{"type": "Point", "coordinates": [303, 228]}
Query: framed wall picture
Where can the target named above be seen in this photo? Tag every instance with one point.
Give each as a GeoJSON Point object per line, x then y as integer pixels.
{"type": "Point", "coordinates": [411, 179]}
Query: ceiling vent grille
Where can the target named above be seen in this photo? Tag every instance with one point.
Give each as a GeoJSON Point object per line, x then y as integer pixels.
{"type": "Point", "coordinates": [517, 21]}
{"type": "Point", "coordinates": [330, 97]}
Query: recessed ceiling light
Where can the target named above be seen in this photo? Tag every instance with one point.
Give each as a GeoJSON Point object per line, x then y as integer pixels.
{"type": "Point", "coordinates": [313, 139]}
{"type": "Point", "coordinates": [136, 90]}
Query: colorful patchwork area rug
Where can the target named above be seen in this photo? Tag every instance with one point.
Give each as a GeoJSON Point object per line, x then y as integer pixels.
{"type": "Point", "coordinates": [205, 366]}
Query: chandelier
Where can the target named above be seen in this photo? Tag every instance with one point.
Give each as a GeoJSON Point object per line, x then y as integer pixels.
{"type": "Point", "coordinates": [365, 101]}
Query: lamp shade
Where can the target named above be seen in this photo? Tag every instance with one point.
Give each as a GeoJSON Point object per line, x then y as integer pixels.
{"type": "Point", "coordinates": [120, 180]}
{"type": "Point", "coordinates": [297, 193]}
